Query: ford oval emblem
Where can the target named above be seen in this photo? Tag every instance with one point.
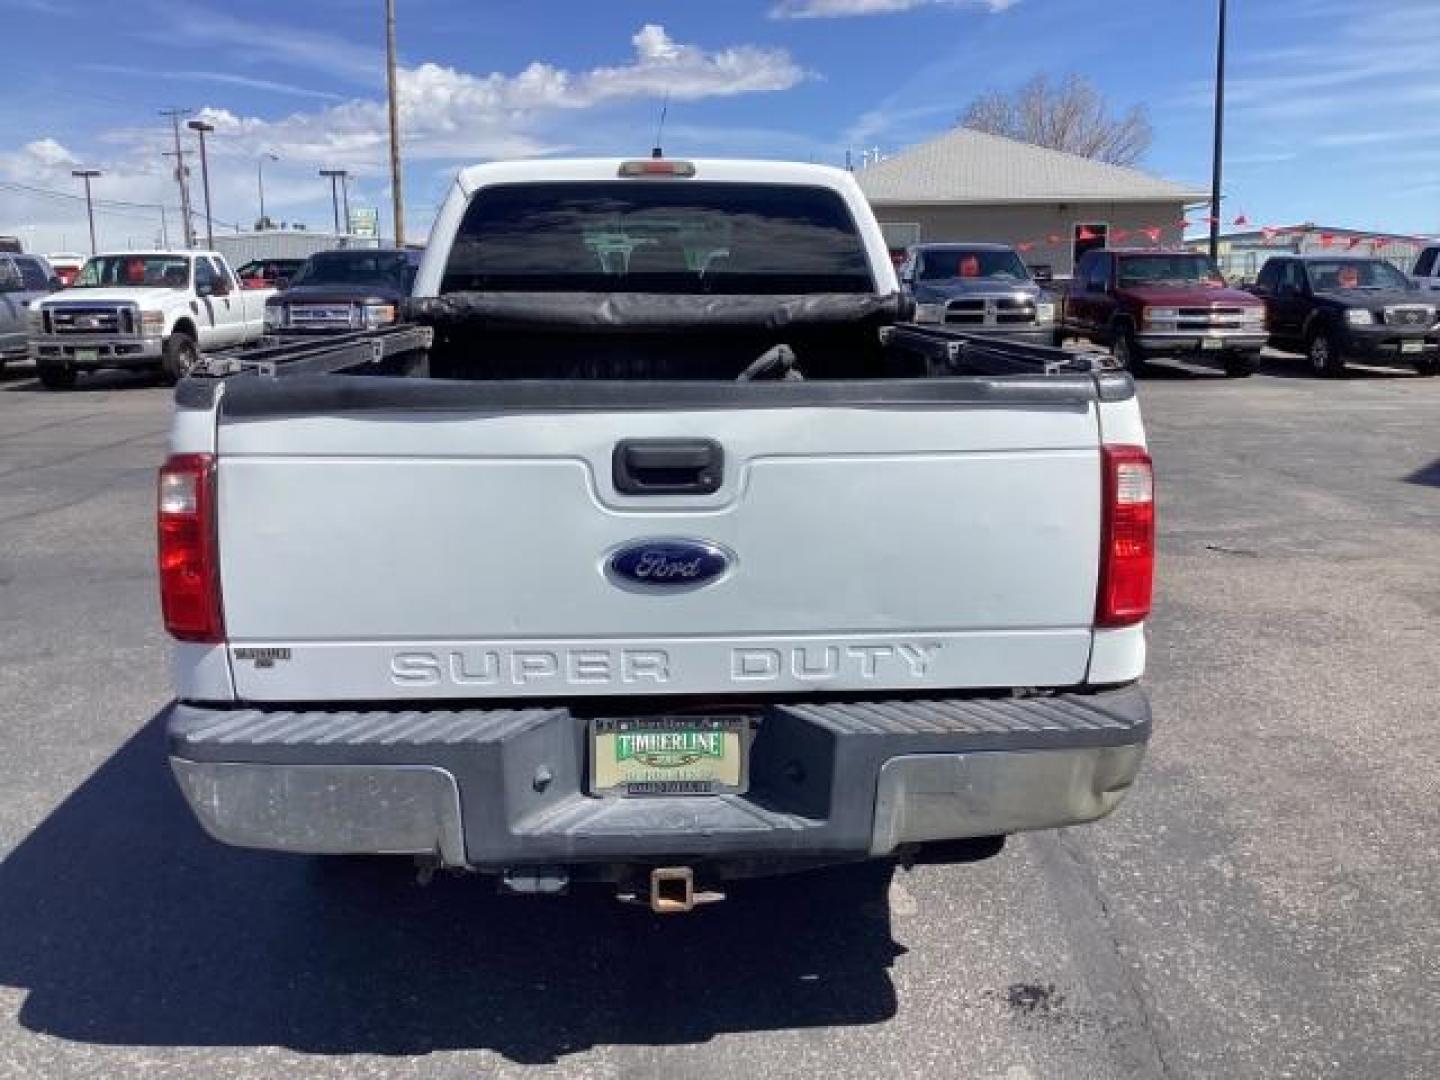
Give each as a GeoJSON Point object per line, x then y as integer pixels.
{"type": "Point", "coordinates": [668, 564]}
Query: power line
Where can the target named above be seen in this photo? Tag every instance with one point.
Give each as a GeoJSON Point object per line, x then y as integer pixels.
{"type": "Point", "coordinates": [28, 189]}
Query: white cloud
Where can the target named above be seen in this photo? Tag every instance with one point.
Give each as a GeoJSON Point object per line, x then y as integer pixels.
{"type": "Point", "coordinates": [840, 9]}
{"type": "Point", "coordinates": [447, 115]}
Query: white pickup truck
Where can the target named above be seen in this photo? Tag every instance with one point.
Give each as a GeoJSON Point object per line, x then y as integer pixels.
{"type": "Point", "coordinates": [678, 557]}
{"type": "Point", "coordinates": [143, 309]}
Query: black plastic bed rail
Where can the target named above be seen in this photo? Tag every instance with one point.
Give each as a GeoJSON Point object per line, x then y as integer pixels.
{"type": "Point", "coordinates": [275, 357]}
{"type": "Point", "coordinates": [945, 351]}
{"type": "Point", "coordinates": [954, 352]}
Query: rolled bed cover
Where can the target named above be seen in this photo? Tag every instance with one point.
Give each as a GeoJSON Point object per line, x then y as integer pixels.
{"type": "Point", "coordinates": [629, 313]}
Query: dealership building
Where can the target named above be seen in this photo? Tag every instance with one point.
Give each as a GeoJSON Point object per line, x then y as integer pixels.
{"type": "Point", "coordinates": [1052, 206]}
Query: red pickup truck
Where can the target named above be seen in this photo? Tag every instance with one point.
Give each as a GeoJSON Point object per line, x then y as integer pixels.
{"type": "Point", "coordinates": [1145, 304]}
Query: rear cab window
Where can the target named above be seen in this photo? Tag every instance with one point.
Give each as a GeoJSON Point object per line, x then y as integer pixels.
{"type": "Point", "coordinates": [685, 237]}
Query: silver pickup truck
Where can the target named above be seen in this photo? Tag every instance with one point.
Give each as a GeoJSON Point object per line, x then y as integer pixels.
{"type": "Point", "coordinates": [657, 549]}
{"type": "Point", "coordinates": [978, 288]}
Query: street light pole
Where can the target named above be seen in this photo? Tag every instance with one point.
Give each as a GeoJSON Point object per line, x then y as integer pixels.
{"type": "Point", "coordinates": [87, 175]}
{"type": "Point", "coordinates": [397, 184]}
{"type": "Point", "coordinates": [334, 175]}
{"type": "Point", "coordinates": [260, 181]}
{"type": "Point", "coordinates": [201, 128]}
{"type": "Point", "coordinates": [1219, 156]}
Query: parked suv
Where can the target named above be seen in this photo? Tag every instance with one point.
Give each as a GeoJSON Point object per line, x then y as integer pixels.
{"type": "Point", "coordinates": [978, 288]}
{"type": "Point", "coordinates": [1336, 308]}
{"type": "Point", "coordinates": [1146, 303]}
{"type": "Point", "coordinates": [23, 279]}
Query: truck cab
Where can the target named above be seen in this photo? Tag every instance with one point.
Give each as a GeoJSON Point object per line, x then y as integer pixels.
{"type": "Point", "coordinates": [156, 310]}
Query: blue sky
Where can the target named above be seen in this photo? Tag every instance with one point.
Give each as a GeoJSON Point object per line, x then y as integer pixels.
{"type": "Point", "coordinates": [1335, 104]}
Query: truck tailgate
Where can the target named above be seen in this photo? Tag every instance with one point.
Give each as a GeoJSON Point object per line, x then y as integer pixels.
{"type": "Point", "coordinates": [388, 553]}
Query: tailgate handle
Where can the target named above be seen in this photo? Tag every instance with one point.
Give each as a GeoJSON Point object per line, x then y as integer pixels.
{"type": "Point", "coordinates": [668, 466]}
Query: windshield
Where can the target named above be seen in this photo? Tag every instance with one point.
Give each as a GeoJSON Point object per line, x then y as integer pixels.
{"type": "Point", "coordinates": [945, 264]}
{"type": "Point", "coordinates": [1170, 270]}
{"type": "Point", "coordinates": [1355, 274]}
{"type": "Point", "coordinates": [652, 236]}
{"type": "Point", "coordinates": [134, 272]}
{"type": "Point", "coordinates": [356, 268]}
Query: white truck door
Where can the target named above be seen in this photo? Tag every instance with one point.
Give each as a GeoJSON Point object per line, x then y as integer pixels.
{"type": "Point", "coordinates": [221, 305]}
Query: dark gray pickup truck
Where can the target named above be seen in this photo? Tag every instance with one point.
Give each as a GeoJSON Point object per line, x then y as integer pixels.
{"type": "Point", "coordinates": [978, 288]}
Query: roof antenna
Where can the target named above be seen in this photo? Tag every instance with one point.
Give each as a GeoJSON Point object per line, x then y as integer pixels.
{"type": "Point", "coordinates": [655, 151]}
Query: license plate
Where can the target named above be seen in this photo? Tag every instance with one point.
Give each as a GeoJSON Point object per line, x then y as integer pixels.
{"type": "Point", "coordinates": [669, 755]}
{"type": "Point", "coordinates": [1412, 346]}
{"type": "Point", "coordinates": [83, 356]}
{"type": "Point", "coordinates": [1211, 343]}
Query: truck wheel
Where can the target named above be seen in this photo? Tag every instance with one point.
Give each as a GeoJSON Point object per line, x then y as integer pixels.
{"type": "Point", "coordinates": [1057, 338]}
{"type": "Point", "coordinates": [1241, 365]}
{"type": "Point", "coordinates": [1128, 355]}
{"type": "Point", "coordinates": [1326, 359]}
{"type": "Point", "coordinates": [59, 376]}
{"type": "Point", "coordinates": [178, 356]}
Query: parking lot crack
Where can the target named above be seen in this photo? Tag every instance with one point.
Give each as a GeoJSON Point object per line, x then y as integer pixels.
{"type": "Point", "coordinates": [1075, 865]}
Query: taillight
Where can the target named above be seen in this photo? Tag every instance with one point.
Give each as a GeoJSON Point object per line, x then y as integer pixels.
{"type": "Point", "coordinates": [1127, 537]}
{"type": "Point", "coordinates": [188, 555]}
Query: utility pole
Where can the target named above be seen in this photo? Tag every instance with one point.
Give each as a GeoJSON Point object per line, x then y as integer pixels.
{"type": "Point", "coordinates": [397, 184]}
{"type": "Point", "coordinates": [334, 175]}
{"type": "Point", "coordinates": [260, 180]}
{"type": "Point", "coordinates": [87, 175]}
{"type": "Point", "coordinates": [1219, 159]}
{"type": "Point", "coordinates": [345, 199]}
{"type": "Point", "coordinates": [181, 175]}
{"type": "Point", "coordinates": [201, 128]}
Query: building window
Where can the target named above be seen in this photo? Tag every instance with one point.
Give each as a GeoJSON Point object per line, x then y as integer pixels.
{"type": "Point", "coordinates": [1087, 236]}
{"type": "Point", "coordinates": [900, 237]}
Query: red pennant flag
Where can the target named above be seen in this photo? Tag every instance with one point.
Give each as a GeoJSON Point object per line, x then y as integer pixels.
{"type": "Point", "coordinates": [1027, 246]}
{"type": "Point", "coordinates": [1119, 235]}
{"type": "Point", "coordinates": [1185, 223]}
{"type": "Point", "coordinates": [1268, 231]}
{"type": "Point", "coordinates": [1085, 233]}
{"type": "Point", "coordinates": [1242, 220]}
{"type": "Point", "coordinates": [1053, 238]}
{"type": "Point", "coordinates": [1356, 241]}
{"type": "Point", "coordinates": [1153, 232]}
{"type": "Point", "coordinates": [1326, 239]}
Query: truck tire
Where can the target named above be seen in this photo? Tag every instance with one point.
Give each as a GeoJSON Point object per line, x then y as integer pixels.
{"type": "Point", "coordinates": [1323, 352]}
{"type": "Point", "coordinates": [179, 356]}
{"type": "Point", "coordinates": [1127, 352]}
{"type": "Point", "coordinates": [1241, 365]}
{"type": "Point", "coordinates": [56, 376]}
{"type": "Point", "coordinates": [1058, 338]}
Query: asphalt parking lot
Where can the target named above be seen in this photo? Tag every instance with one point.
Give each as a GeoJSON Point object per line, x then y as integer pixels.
{"type": "Point", "coordinates": [1265, 905]}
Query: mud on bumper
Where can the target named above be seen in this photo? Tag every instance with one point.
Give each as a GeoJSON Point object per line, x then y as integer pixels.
{"type": "Point", "coordinates": [499, 788]}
